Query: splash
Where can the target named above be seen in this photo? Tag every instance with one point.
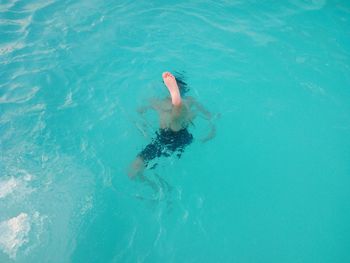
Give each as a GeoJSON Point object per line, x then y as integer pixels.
{"type": "Point", "coordinates": [14, 234]}
{"type": "Point", "coordinates": [11, 185]}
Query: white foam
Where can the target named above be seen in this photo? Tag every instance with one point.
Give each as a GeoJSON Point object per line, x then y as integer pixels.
{"type": "Point", "coordinates": [14, 233]}
{"type": "Point", "coordinates": [68, 102]}
{"type": "Point", "coordinates": [7, 186]}
{"type": "Point", "coordinates": [87, 206]}
{"type": "Point", "coordinates": [12, 184]}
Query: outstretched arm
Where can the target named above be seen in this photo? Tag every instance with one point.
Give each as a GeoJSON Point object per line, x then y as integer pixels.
{"type": "Point", "coordinates": [144, 126]}
{"type": "Point", "coordinates": [200, 108]}
{"type": "Point", "coordinates": [206, 115]}
{"type": "Point", "coordinates": [211, 134]}
{"type": "Point", "coordinates": [153, 104]}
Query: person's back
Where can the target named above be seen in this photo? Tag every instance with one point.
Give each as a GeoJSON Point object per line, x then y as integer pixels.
{"type": "Point", "coordinates": [175, 117]}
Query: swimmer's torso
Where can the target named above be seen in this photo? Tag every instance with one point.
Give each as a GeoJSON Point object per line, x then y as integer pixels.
{"type": "Point", "coordinates": [175, 118]}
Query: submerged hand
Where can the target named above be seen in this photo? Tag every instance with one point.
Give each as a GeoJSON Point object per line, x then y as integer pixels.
{"type": "Point", "coordinates": [210, 136]}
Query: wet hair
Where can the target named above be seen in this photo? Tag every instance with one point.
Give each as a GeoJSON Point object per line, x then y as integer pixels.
{"type": "Point", "coordinates": [180, 79]}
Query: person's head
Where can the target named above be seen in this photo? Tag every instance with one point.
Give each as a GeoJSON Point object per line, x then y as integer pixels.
{"type": "Point", "coordinates": [183, 88]}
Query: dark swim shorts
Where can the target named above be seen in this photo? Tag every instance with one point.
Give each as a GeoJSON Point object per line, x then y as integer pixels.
{"type": "Point", "coordinates": [166, 143]}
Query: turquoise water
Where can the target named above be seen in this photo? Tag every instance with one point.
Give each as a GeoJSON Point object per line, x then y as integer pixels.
{"type": "Point", "coordinates": [272, 186]}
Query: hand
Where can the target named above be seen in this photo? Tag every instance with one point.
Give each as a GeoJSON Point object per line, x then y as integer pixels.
{"type": "Point", "coordinates": [210, 136]}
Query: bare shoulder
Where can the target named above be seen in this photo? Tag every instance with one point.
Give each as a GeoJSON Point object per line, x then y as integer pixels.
{"type": "Point", "coordinates": [161, 104]}
{"type": "Point", "coordinates": [199, 107]}
{"type": "Point", "coordinates": [189, 101]}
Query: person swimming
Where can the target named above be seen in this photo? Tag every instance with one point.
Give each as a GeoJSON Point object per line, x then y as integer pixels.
{"type": "Point", "coordinates": [176, 113]}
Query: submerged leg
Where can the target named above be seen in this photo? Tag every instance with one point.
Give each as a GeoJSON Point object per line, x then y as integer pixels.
{"type": "Point", "coordinates": [136, 168]}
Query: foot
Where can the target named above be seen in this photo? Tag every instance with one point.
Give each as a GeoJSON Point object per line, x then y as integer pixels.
{"type": "Point", "coordinates": [170, 83]}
